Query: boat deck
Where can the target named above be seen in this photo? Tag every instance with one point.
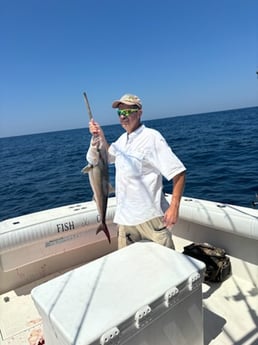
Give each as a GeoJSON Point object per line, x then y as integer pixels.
{"type": "Point", "coordinates": [230, 313]}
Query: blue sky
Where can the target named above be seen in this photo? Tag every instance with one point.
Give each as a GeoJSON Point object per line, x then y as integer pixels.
{"type": "Point", "coordinates": [181, 57]}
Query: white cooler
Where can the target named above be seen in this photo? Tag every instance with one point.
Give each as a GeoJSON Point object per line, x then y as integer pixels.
{"type": "Point", "coordinates": [144, 294]}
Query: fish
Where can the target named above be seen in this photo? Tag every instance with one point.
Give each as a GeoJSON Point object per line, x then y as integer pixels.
{"type": "Point", "coordinates": [99, 181]}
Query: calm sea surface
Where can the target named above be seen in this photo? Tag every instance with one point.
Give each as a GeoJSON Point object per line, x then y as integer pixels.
{"type": "Point", "coordinates": [220, 151]}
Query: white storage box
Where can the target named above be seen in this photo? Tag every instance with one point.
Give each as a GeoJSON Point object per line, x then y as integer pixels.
{"type": "Point", "coordinates": [143, 294]}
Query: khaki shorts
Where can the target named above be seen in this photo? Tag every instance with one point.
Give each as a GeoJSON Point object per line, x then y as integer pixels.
{"type": "Point", "coordinates": [152, 230]}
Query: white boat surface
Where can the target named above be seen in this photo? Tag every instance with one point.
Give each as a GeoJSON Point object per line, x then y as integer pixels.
{"type": "Point", "coordinates": [37, 247]}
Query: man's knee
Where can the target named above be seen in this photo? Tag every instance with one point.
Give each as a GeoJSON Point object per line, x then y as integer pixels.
{"type": "Point", "coordinates": [169, 243]}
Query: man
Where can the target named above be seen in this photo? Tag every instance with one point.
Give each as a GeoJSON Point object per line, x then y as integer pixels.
{"type": "Point", "coordinates": [141, 156]}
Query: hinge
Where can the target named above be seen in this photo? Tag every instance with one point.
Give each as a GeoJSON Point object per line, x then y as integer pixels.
{"type": "Point", "coordinates": [110, 337]}
{"type": "Point", "coordinates": [142, 316]}
{"type": "Point", "coordinates": [171, 296]}
{"type": "Point", "coordinates": [194, 281]}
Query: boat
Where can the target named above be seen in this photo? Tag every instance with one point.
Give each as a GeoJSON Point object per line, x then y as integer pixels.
{"type": "Point", "coordinates": [38, 247]}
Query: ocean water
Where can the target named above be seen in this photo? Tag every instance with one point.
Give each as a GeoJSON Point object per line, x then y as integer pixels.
{"type": "Point", "coordinates": [220, 151]}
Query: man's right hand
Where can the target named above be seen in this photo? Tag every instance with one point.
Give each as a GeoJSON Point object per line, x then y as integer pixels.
{"type": "Point", "coordinates": [95, 129]}
{"type": "Point", "coordinates": [98, 134]}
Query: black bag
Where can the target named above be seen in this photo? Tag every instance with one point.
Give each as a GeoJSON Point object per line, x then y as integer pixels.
{"type": "Point", "coordinates": [218, 266]}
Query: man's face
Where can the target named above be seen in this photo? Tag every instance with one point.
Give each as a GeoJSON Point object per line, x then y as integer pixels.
{"type": "Point", "coordinates": [130, 120]}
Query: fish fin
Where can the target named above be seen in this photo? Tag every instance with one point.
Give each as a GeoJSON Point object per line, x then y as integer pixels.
{"type": "Point", "coordinates": [86, 169]}
{"type": "Point", "coordinates": [103, 227]}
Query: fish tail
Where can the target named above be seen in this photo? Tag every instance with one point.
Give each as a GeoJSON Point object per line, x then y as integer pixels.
{"type": "Point", "coordinates": [103, 227]}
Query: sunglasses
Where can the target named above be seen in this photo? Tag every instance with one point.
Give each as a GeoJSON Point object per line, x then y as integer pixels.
{"type": "Point", "coordinates": [126, 112]}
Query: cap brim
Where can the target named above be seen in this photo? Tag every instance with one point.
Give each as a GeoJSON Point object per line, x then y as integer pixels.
{"type": "Point", "coordinates": [115, 104]}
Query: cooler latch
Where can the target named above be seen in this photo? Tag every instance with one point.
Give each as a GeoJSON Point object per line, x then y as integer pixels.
{"type": "Point", "coordinates": [171, 296]}
{"type": "Point", "coordinates": [194, 281]}
{"type": "Point", "coordinates": [142, 316]}
{"type": "Point", "coordinates": [110, 337]}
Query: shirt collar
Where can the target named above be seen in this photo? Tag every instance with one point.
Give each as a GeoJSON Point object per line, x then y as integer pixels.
{"type": "Point", "coordinates": [136, 132]}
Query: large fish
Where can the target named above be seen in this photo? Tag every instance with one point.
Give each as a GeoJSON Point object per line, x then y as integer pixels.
{"type": "Point", "coordinates": [99, 181]}
{"type": "Point", "coordinates": [99, 178]}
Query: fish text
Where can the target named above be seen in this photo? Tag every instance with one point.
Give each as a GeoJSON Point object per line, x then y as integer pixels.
{"type": "Point", "coordinates": [65, 227]}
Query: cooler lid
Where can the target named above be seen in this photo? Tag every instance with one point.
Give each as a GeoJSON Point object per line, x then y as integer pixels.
{"type": "Point", "coordinates": [83, 304]}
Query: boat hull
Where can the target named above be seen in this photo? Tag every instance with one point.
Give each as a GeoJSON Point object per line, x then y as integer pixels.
{"type": "Point", "coordinates": [36, 245]}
